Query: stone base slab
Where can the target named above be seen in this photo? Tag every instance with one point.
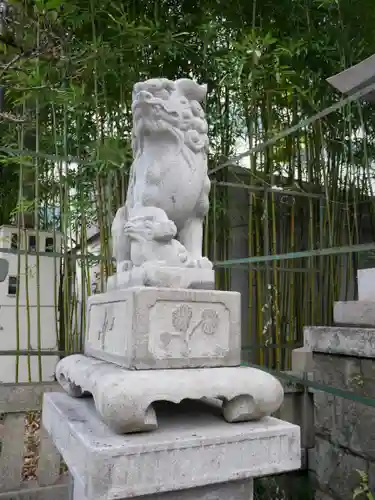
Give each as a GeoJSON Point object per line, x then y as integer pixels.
{"type": "Point", "coordinates": [191, 449]}
{"type": "Point", "coordinates": [360, 312]}
{"type": "Point", "coordinates": [157, 328]}
{"type": "Point", "coordinates": [166, 277]}
{"type": "Point", "coordinates": [125, 398]}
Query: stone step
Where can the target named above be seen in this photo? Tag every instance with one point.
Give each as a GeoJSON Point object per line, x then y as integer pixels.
{"type": "Point", "coordinates": [360, 312]}
{"type": "Point", "coordinates": [344, 340]}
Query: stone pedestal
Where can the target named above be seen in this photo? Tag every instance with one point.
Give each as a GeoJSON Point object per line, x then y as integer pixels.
{"type": "Point", "coordinates": [194, 454]}
{"type": "Point", "coordinates": [147, 344]}
{"type": "Point", "coordinates": [146, 328]}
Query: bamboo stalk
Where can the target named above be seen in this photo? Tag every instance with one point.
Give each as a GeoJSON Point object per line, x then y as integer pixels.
{"type": "Point", "coordinates": [20, 224]}
{"type": "Point", "coordinates": [27, 299]}
{"type": "Point", "coordinates": [37, 196]}
{"type": "Point", "coordinates": [250, 273]}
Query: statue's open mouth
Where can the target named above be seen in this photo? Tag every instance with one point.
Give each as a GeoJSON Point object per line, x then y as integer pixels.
{"type": "Point", "coordinates": [153, 114]}
{"type": "Point", "coordinates": [141, 108]}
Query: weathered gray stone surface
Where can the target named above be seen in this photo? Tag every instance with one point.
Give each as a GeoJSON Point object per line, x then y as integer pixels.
{"type": "Point", "coordinates": [371, 477]}
{"type": "Point", "coordinates": [358, 312]}
{"type": "Point", "coordinates": [125, 398]}
{"type": "Point", "coordinates": [233, 490]}
{"type": "Point", "coordinates": [191, 448]}
{"type": "Point", "coordinates": [56, 492]}
{"type": "Point", "coordinates": [346, 372]}
{"type": "Point", "coordinates": [349, 341]}
{"type": "Point", "coordinates": [343, 359]}
{"type": "Point", "coordinates": [157, 328]}
{"type": "Point", "coordinates": [299, 409]}
{"type": "Point", "coordinates": [15, 398]}
{"type": "Point", "coordinates": [334, 469]}
{"type": "Point", "coordinates": [302, 360]}
{"type": "Point", "coordinates": [344, 422]}
{"type": "Point", "coordinates": [319, 495]}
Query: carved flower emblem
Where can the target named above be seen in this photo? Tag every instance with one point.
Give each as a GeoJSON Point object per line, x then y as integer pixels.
{"type": "Point", "coordinates": [182, 322]}
{"type": "Point", "coordinates": [210, 321]}
{"type": "Point", "coordinates": [181, 318]}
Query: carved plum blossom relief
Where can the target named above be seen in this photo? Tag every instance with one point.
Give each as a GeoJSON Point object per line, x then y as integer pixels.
{"type": "Point", "coordinates": [185, 327]}
{"type": "Point", "coordinates": [209, 321]}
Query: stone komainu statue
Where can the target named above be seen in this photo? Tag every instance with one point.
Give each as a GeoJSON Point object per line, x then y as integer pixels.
{"type": "Point", "coordinates": [168, 186]}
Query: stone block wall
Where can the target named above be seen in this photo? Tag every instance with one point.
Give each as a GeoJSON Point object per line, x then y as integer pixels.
{"type": "Point", "coordinates": [344, 359]}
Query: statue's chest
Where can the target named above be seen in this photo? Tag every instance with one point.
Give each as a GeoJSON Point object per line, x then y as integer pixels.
{"type": "Point", "coordinates": [167, 171]}
{"type": "Point", "coordinates": [170, 182]}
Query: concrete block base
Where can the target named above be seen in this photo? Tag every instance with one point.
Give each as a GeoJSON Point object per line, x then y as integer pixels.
{"type": "Point", "coordinates": [193, 453]}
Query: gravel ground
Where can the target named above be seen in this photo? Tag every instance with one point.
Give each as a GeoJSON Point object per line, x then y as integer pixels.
{"type": "Point", "coordinates": [32, 440]}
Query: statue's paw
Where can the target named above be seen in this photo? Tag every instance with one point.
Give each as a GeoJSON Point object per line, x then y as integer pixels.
{"type": "Point", "coordinates": [183, 258]}
{"type": "Point", "coordinates": [204, 263]}
{"type": "Point", "coordinates": [124, 265]}
{"type": "Point", "coordinates": [186, 260]}
{"type": "Point", "coordinates": [191, 263]}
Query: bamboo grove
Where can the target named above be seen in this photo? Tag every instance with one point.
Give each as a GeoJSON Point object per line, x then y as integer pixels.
{"type": "Point", "coordinates": [66, 76]}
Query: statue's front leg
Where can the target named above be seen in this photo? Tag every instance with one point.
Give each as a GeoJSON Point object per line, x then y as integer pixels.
{"type": "Point", "coordinates": [191, 236]}
{"type": "Point", "coordinates": [124, 265]}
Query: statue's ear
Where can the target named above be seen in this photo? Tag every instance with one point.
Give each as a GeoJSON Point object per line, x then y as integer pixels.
{"type": "Point", "coordinates": [204, 90]}
{"type": "Point", "coordinates": [191, 89]}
